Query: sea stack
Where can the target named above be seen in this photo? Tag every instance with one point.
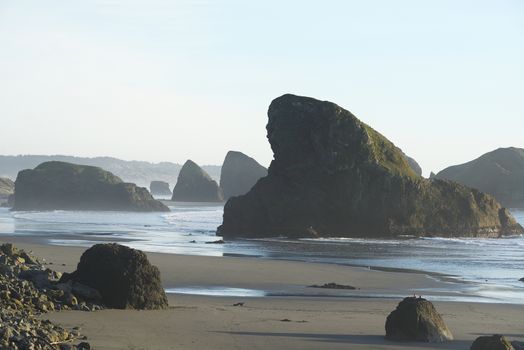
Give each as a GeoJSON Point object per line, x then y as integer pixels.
{"type": "Point", "coordinates": [333, 175]}
{"type": "Point", "coordinates": [160, 188]}
{"type": "Point", "coordinates": [59, 185]}
{"type": "Point", "coordinates": [239, 173]}
{"type": "Point", "coordinates": [499, 173]}
{"type": "Point", "coordinates": [195, 185]}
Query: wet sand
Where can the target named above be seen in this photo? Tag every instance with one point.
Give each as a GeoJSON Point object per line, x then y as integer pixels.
{"type": "Point", "coordinates": [306, 318]}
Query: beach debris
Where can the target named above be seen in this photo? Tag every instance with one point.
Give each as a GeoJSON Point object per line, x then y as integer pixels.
{"type": "Point", "coordinates": [29, 289]}
{"type": "Point", "coordinates": [416, 319]}
{"type": "Point", "coordinates": [238, 304]}
{"type": "Point", "coordinates": [220, 241]}
{"type": "Point", "coordinates": [288, 320]}
{"type": "Point", "coordinates": [332, 285]}
{"type": "Point", "coordinates": [123, 276]}
{"type": "Point", "coordinates": [493, 342]}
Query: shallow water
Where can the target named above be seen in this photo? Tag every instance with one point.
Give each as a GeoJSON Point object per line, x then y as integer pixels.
{"type": "Point", "coordinates": [492, 265]}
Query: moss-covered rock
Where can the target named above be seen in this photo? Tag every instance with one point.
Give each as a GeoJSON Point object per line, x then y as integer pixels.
{"type": "Point", "coordinates": [333, 175]}
{"type": "Point", "coordinates": [239, 174]}
{"type": "Point", "coordinates": [195, 185]}
{"type": "Point", "coordinates": [66, 186]}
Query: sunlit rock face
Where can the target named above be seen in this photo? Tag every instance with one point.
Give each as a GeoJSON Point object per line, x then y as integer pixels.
{"type": "Point", "coordinates": [333, 175]}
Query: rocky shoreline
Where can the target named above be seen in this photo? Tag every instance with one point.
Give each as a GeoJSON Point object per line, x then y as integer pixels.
{"type": "Point", "coordinates": [29, 289]}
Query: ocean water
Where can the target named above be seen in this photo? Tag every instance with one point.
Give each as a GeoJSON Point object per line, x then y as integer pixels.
{"type": "Point", "coordinates": [491, 267]}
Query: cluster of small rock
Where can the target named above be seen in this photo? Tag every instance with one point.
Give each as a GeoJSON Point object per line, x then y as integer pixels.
{"type": "Point", "coordinates": [28, 289]}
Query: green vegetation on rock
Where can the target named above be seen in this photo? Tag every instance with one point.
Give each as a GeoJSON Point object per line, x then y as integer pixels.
{"type": "Point", "coordinates": [333, 175]}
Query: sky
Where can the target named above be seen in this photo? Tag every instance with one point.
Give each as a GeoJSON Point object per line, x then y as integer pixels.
{"type": "Point", "coordinates": [162, 80]}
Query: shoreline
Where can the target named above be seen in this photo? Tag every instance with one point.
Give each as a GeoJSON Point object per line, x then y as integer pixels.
{"type": "Point", "coordinates": [439, 286]}
{"type": "Point", "coordinates": [326, 320]}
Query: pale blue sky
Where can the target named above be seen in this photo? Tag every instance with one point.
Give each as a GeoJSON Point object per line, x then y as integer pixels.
{"type": "Point", "coordinates": [170, 80]}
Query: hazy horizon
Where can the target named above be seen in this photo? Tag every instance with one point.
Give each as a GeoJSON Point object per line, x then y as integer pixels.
{"type": "Point", "coordinates": [176, 80]}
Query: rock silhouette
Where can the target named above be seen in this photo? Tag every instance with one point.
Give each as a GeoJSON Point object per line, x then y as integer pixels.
{"type": "Point", "coordinates": [66, 186]}
{"type": "Point", "coordinates": [239, 174]}
{"type": "Point", "coordinates": [195, 185]}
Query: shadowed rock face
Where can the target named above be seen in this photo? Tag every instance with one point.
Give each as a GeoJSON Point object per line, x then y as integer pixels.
{"type": "Point", "coordinates": [123, 276]}
{"type": "Point", "coordinates": [66, 186]}
{"type": "Point", "coordinates": [160, 188]}
{"type": "Point", "coordinates": [499, 173]}
{"type": "Point", "coordinates": [239, 174]}
{"type": "Point", "coordinates": [415, 319]}
{"type": "Point", "coordinates": [195, 185]}
{"type": "Point", "coordinates": [333, 175]}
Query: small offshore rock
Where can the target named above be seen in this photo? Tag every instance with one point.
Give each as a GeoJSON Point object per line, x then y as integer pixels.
{"type": "Point", "coordinates": [332, 285]}
{"type": "Point", "coordinates": [220, 241]}
{"type": "Point", "coordinates": [416, 319]}
{"type": "Point", "coordinates": [494, 342]}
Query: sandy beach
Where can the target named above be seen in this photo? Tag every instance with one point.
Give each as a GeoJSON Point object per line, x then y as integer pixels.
{"type": "Point", "coordinates": [296, 317]}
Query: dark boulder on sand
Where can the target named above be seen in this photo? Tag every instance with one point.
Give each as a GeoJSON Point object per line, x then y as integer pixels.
{"type": "Point", "coordinates": [494, 342]}
{"type": "Point", "coordinates": [239, 173]}
{"type": "Point", "coordinates": [416, 319]}
{"type": "Point", "coordinates": [333, 175]}
{"type": "Point", "coordinates": [499, 173]}
{"type": "Point", "coordinates": [123, 276]}
{"type": "Point", "coordinates": [195, 185]}
{"type": "Point", "coordinates": [160, 188]}
{"type": "Point", "coordinates": [66, 186]}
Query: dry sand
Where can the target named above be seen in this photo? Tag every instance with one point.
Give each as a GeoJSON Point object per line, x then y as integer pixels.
{"type": "Point", "coordinates": [302, 320]}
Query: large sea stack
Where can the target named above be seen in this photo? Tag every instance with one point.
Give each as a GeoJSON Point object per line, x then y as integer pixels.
{"type": "Point", "coordinates": [333, 175]}
{"type": "Point", "coordinates": [66, 186]}
{"type": "Point", "coordinates": [499, 173]}
{"type": "Point", "coordinates": [195, 185]}
{"type": "Point", "coordinates": [239, 174]}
